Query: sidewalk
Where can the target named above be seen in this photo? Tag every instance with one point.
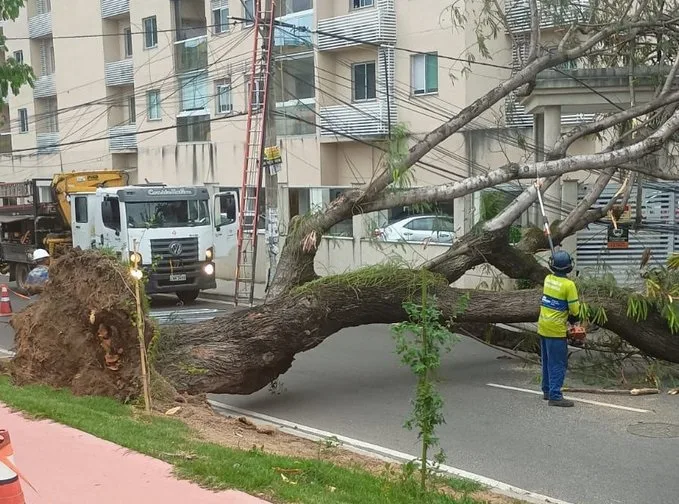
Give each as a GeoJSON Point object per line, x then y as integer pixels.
{"type": "Point", "coordinates": [68, 466]}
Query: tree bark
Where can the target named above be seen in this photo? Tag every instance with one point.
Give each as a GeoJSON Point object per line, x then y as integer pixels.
{"type": "Point", "coordinates": [244, 352]}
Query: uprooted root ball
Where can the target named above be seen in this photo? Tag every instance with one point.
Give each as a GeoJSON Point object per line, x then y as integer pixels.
{"type": "Point", "coordinates": [81, 332]}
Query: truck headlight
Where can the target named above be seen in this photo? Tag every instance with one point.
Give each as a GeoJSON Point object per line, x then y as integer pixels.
{"type": "Point", "coordinates": [209, 254]}
{"type": "Point", "coordinates": [209, 269]}
{"type": "Point", "coordinates": [135, 256]}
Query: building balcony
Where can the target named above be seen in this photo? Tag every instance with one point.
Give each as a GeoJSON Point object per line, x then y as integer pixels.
{"type": "Point", "coordinates": [120, 73]}
{"type": "Point", "coordinates": [552, 15]}
{"type": "Point", "coordinates": [114, 8]}
{"type": "Point", "coordinates": [191, 54]}
{"type": "Point", "coordinates": [371, 25]}
{"type": "Point", "coordinates": [295, 31]}
{"type": "Point", "coordinates": [363, 119]}
{"type": "Point", "coordinates": [47, 142]}
{"type": "Point", "coordinates": [40, 26]}
{"type": "Point", "coordinates": [122, 138]}
{"type": "Point", "coordinates": [45, 86]}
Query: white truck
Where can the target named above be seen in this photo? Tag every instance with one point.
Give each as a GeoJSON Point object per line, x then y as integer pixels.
{"type": "Point", "coordinates": [179, 231]}
{"type": "Point", "coordinates": [172, 229]}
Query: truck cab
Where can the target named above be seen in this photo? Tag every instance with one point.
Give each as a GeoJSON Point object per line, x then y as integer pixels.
{"type": "Point", "coordinates": [171, 228]}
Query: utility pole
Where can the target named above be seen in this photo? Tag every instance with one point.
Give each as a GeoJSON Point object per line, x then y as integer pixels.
{"type": "Point", "coordinates": [272, 155]}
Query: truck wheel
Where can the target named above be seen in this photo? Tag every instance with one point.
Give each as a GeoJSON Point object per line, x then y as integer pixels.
{"type": "Point", "coordinates": [188, 297]}
{"type": "Point", "coordinates": [21, 274]}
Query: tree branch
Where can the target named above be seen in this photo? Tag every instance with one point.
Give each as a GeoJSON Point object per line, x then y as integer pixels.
{"type": "Point", "coordinates": [568, 224]}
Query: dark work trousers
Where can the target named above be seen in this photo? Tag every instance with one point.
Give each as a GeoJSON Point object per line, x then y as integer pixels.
{"type": "Point", "coordinates": [554, 353]}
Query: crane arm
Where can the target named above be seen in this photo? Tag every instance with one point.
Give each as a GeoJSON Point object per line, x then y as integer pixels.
{"type": "Point", "coordinates": [64, 184]}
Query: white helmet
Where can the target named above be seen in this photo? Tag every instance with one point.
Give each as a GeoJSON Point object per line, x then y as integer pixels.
{"type": "Point", "coordinates": [40, 254]}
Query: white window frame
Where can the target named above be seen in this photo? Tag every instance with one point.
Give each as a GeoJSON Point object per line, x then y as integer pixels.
{"type": "Point", "coordinates": [259, 89]}
{"type": "Point", "coordinates": [224, 96]}
{"type": "Point", "coordinates": [153, 109]}
{"type": "Point", "coordinates": [362, 4]}
{"type": "Point", "coordinates": [23, 120]}
{"type": "Point", "coordinates": [223, 25]}
{"type": "Point", "coordinates": [414, 84]}
{"type": "Point", "coordinates": [153, 32]}
{"type": "Point", "coordinates": [18, 56]}
{"type": "Point", "coordinates": [127, 42]}
{"type": "Point", "coordinates": [353, 79]}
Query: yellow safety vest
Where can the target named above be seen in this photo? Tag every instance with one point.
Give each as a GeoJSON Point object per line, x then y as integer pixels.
{"type": "Point", "coordinates": [559, 300]}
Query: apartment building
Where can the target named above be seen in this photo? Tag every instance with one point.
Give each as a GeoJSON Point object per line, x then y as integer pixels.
{"type": "Point", "coordinates": [159, 89]}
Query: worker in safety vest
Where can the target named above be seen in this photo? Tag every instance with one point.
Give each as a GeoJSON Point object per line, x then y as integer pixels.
{"type": "Point", "coordinates": [38, 276]}
{"type": "Point", "coordinates": [560, 306]}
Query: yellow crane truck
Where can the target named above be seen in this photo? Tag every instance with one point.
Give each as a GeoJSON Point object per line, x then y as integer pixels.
{"type": "Point", "coordinates": [37, 214]}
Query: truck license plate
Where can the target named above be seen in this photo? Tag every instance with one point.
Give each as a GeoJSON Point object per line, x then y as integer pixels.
{"type": "Point", "coordinates": [177, 278]}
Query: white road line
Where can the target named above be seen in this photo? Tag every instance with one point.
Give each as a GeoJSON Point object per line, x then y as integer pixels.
{"type": "Point", "coordinates": [305, 431]}
{"type": "Point", "coordinates": [6, 353]}
{"type": "Point", "coordinates": [586, 401]}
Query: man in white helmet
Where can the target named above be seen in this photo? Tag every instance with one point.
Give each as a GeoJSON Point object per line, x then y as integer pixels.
{"type": "Point", "coordinates": [38, 276]}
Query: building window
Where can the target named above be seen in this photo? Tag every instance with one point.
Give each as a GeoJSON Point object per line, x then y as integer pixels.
{"type": "Point", "coordinates": [285, 7]}
{"type": "Point", "coordinates": [150, 32]}
{"type": "Point", "coordinates": [153, 105]}
{"type": "Point", "coordinates": [194, 92]}
{"type": "Point", "coordinates": [249, 12]}
{"type": "Point", "coordinates": [128, 42]}
{"type": "Point", "coordinates": [359, 4]}
{"type": "Point", "coordinates": [220, 16]}
{"type": "Point", "coordinates": [363, 75]}
{"type": "Point", "coordinates": [23, 120]}
{"type": "Point", "coordinates": [132, 110]}
{"type": "Point", "coordinates": [19, 56]}
{"type": "Point", "coordinates": [224, 102]}
{"type": "Point", "coordinates": [424, 70]}
{"type": "Point", "coordinates": [193, 128]}
{"type": "Point", "coordinates": [256, 97]}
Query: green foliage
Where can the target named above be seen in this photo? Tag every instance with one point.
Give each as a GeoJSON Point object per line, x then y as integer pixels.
{"type": "Point", "coordinates": [13, 75]}
{"type": "Point", "coordinates": [397, 152]}
{"type": "Point", "coordinates": [419, 342]}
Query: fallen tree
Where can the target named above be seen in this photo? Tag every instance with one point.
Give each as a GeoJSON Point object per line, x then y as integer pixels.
{"type": "Point", "coordinates": [243, 352]}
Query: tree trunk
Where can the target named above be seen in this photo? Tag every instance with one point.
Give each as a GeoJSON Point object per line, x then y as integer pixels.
{"type": "Point", "coordinates": [245, 351]}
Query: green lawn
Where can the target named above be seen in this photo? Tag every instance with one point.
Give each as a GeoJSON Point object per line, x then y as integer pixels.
{"type": "Point", "coordinates": [215, 466]}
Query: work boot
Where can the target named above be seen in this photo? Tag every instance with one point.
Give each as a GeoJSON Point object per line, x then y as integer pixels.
{"type": "Point", "coordinates": [564, 403]}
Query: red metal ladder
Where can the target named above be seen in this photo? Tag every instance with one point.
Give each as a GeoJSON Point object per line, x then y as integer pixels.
{"type": "Point", "coordinates": [258, 102]}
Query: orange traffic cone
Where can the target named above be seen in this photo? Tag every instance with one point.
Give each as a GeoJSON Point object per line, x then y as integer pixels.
{"type": "Point", "coordinates": [10, 487]}
{"type": "Point", "coordinates": [5, 303]}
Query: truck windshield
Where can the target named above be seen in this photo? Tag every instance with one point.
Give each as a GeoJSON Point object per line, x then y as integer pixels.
{"type": "Point", "coordinates": [165, 214]}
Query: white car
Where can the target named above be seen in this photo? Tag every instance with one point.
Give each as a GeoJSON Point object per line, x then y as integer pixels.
{"type": "Point", "coordinates": [419, 228]}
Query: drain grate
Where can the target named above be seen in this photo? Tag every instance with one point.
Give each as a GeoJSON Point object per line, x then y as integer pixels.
{"type": "Point", "coordinates": [654, 430]}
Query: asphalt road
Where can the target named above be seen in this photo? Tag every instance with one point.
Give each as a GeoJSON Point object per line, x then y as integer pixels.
{"type": "Point", "coordinates": [354, 385]}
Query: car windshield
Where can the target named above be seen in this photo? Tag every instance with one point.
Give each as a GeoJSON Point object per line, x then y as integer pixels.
{"type": "Point", "coordinates": [165, 214]}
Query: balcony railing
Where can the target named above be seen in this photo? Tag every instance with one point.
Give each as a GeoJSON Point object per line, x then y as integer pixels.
{"type": "Point", "coordinates": [298, 33]}
{"type": "Point", "coordinates": [191, 54]}
{"type": "Point", "coordinates": [114, 8]}
{"type": "Point", "coordinates": [358, 119]}
{"type": "Point", "coordinates": [120, 73]}
{"type": "Point", "coordinates": [122, 138]}
{"type": "Point", "coordinates": [45, 86]}
{"type": "Point", "coordinates": [551, 15]}
{"type": "Point", "coordinates": [371, 25]}
{"type": "Point", "coordinates": [47, 142]}
{"type": "Point", "coordinates": [40, 25]}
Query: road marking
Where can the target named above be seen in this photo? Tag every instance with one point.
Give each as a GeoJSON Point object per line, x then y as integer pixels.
{"type": "Point", "coordinates": [387, 453]}
{"type": "Point", "coordinates": [6, 353]}
{"type": "Point", "coordinates": [586, 401]}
